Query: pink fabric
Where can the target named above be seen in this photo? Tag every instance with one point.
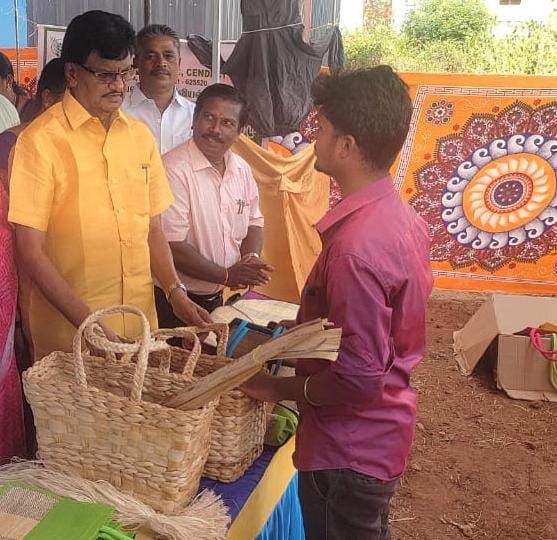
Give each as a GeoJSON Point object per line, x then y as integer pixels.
{"type": "Point", "coordinates": [212, 213]}
{"type": "Point", "coordinates": [373, 279]}
{"type": "Point", "coordinates": [12, 432]}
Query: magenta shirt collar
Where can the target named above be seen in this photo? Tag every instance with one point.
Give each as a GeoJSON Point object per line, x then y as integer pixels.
{"type": "Point", "coordinates": [376, 190]}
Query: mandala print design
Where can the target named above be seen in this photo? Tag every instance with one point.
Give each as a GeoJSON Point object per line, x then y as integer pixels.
{"type": "Point", "coordinates": [490, 194]}
{"type": "Point", "coordinates": [440, 112]}
{"type": "Point", "coordinates": [308, 129]}
{"type": "Point", "coordinates": [310, 125]}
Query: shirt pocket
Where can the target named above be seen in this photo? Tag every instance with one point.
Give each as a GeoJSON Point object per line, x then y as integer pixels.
{"type": "Point", "coordinates": [240, 220]}
{"type": "Point", "coordinates": [137, 190]}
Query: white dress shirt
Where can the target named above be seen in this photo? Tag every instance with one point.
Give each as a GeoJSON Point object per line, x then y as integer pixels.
{"type": "Point", "coordinates": [172, 127]}
{"type": "Point", "coordinates": [9, 116]}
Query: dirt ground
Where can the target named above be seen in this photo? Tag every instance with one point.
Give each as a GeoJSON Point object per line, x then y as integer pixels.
{"type": "Point", "coordinates": [483, 465]}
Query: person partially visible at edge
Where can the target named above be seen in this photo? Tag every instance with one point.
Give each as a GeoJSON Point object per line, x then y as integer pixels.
{"type": "Point", "coordinates": [372, 279]}
{"type": "Point", "coordinates": [15, 93]}
{"type": "Point", "coordinates": [9, 116]}
{"type": "Point", "coordinates": [50, 90]}
{"type": "Point", "coordinates": [87, 188]}
{"type": "Point", "coordinates": [155, 100]}
{"type": "Point", "coordinates": [214, 227]}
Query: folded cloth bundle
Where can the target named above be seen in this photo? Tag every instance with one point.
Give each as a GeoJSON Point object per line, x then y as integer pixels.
{"type": "Point", "coordinates": [31, 513]}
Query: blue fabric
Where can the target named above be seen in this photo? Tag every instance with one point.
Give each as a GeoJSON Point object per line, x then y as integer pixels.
{"type": "Point", "coordinates": [286, 522]}
{"type": "Point", "coordinates": [235, 494]}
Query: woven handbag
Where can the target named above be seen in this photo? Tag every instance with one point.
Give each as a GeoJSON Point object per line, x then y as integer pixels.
{"type": "Point", "coordinates": [99, 418]}
{"type": "Point", "coordinates": [238, 427]}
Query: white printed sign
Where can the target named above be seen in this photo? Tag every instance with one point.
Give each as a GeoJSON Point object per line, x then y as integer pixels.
{"type": "Point", "coordinates": [49, 45]}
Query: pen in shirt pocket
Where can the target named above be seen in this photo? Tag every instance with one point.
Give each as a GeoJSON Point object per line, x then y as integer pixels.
{"type": "Point", "coordinates": [241, 205]}
{"type": "Point", "coordinates": [145, 167]}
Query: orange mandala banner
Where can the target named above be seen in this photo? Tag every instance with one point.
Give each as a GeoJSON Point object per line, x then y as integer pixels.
{"type": "Point", "coordinates": [479, 165]}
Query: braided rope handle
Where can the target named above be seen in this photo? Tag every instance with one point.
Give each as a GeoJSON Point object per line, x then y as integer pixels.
{"type": "Point", "coordinates": [89, 329]}
{"type": "Point", "coordinates": [221, 330]}
{"type": "Point", "coordinates": [162, 334]}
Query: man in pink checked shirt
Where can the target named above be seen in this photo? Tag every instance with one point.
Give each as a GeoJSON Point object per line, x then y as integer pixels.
{"type": "Point", "coordinates": [215, 226]}
{"type": "Point", "coordinates": [373, 279]}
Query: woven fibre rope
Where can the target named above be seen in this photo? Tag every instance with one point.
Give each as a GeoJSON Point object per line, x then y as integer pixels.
{"type": "Point", "coordinates": [112, 427]}
{"type": "Point", "coordinates": [27, 503]}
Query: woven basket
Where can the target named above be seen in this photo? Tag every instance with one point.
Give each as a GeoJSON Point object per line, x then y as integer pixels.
{"type": "Point", "coordinates": [239, 422]}
{"type": "Point", "coordinates": [98, 418]}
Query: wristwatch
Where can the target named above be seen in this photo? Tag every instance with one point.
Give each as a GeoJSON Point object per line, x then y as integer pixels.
{"type": "Point", "coordinates": [173, 287]}
{"type": "Point", "coordinates": [249, 255]}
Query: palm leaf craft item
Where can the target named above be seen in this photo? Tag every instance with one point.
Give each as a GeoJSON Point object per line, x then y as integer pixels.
{"type": "Point", "coordinates": [314, 339]}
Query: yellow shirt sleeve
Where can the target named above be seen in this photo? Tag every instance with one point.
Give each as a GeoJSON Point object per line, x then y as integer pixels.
{"type": "Point", "coordinates": [160, 194]}
{"type": "Point", "coordinates": [31, 182]}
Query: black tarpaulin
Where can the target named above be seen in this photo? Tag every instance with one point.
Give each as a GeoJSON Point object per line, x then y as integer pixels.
{"type": "Point", "coordinates": [272, 65]}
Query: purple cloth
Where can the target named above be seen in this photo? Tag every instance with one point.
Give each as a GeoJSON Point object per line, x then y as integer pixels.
{"type": "Point", "coordinates": [373, 279]}
{"type": "Point", "coordinates": [235, 494]}
{"type": "Point", "coordinates": [7, 141]}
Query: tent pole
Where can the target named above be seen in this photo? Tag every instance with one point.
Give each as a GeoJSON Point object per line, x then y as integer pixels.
{"type": "Point", "coordinates": [146, 12]}
{"type": "Point", "coordinates": [217, 5]}
{"type": "Point", "coordinates": [307, 9]}
{"type": "Point", "coordinates": [16, 21]}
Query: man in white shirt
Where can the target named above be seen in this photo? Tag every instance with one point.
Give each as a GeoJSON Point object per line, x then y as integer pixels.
{"type": "Point", "coordinates": [215, 226]}
{"type": "Point", "coordinates": [8, 114]}
{"type": "Point", "coordinates": [155, 100]}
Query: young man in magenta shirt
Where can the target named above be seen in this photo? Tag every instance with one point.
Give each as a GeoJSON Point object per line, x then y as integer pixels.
{"type": "Point", "coordinates": [373, 279]}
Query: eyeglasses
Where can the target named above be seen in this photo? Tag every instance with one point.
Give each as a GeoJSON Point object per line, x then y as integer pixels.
{"type": "Point", "coordinates": [108, 77]}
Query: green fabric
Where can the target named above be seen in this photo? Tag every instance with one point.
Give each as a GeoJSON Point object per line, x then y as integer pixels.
{"type": "Point", "coordinates": [72, 519]}
{"type": "Point", "coordinates": [112, 532]}
{"type": "Point", "coordinates": [60, 517]}
{"type": "Point", "coordinates": [284, 422]}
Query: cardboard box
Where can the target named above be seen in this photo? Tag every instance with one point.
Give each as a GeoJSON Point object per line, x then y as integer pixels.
{"type": "Point", "coordinates": [520, 370]}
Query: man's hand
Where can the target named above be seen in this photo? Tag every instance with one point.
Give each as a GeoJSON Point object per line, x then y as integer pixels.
{"type": "Point", "coordinates": [248, 273]}
{"type": "Point", "coordinates": [287, 323]}
{"type": "Point", "coordinates": [257, 386]}
{"type": "Point", "coordinates": [188, 311]}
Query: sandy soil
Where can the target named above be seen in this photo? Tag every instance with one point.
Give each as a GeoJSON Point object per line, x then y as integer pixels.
{"type": "Point", "coordinates": [483, 465]}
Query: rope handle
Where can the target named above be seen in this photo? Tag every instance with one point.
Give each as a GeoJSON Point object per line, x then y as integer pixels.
{"type": "Point", "coordinates": [536, 340]}
{"type": "Point", "coordinates": [93, 334]}
{"type": "Point", "coordinates": [163, 334]}
{"type": "Point", "coordinates": [220, 329]}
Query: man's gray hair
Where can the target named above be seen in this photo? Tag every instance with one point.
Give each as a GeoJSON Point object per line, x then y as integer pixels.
{"type": "Point", "coordinates": [153, 30]}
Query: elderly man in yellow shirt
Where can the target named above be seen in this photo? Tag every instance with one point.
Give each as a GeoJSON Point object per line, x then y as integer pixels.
{"type": "Point", "coordinates": [87, 191]}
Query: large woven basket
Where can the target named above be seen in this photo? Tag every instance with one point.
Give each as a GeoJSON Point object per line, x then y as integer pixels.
{"type": "Point", "coordinates": [239, 422]}
{"type": "Point", "coordinates": [99, 418]}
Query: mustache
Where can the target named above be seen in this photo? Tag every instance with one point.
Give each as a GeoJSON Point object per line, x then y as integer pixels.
{"type": "Point", "coordinates": [214, 138]}
{"type": "Point", "coordinates": [113, 94]}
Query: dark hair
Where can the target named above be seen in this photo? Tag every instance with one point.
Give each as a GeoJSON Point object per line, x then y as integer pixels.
{"type": "Point", "coordinates": [109, 35]}
{"type": "Point", "coordinates": [52, 77]}
{"type": "Point", "coordinates": [226, 92]}
{"type": "Point", "coordinates": [6, 68]}
{"type": "Point", "coordinates": [372, 105]}
{"type": "Point", "coordinates": [153, 30]}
